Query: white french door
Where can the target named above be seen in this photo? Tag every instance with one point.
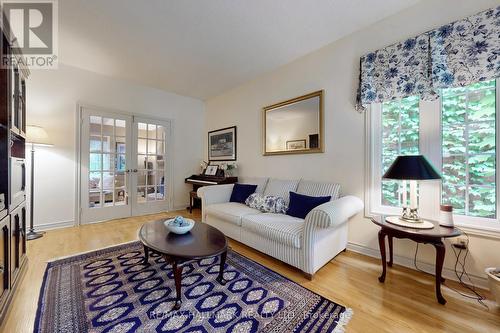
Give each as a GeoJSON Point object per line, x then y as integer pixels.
{"type": "Point", "coordinates": [123, 165]}
{"type": "Point", "coordinates": [149, 173]}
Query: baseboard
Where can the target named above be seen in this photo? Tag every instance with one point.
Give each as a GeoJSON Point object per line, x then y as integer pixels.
{"type": "Point", "coordinates": [448, 273]}
{"type": "Point", "coordinates": [180, 207]}
{"type": "Point", "coordinates": [54, 225]}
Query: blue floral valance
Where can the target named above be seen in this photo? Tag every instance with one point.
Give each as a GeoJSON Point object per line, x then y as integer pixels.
{"type": "Point", "coordinates": [397, 71]}
{"type": "Point", "coordinates": [456, 54]}
{"type": "Point", "coordinates": [466, 51]}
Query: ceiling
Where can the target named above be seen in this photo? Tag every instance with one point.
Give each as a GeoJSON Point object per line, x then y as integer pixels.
{"type": "Point", "coordinates": [202, 48]}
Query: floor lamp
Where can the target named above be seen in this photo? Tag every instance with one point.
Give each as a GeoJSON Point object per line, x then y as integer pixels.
{"type": "Point", "coordinates": [36, 136]}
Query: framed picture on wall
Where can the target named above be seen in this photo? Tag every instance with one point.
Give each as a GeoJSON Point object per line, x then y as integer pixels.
{"type": "Point", "coordinates": [295, 144]}
{"type": "Point", "coordinates": [222, 144]}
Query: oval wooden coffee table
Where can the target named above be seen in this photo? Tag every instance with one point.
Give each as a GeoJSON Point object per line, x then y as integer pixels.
{"type": "Point", "coordinates": [201, 242]}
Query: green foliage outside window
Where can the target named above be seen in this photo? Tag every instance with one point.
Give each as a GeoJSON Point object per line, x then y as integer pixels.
{"type": "Point", "coordinates": [469, 149]}
{"type": "Point", "coordinates": [400, 136]}
{"type": "Point", "coordinates": [468, 118]}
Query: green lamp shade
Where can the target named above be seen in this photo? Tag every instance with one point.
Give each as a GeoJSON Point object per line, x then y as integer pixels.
{"type": "Point", "coordinates": [411, 167]}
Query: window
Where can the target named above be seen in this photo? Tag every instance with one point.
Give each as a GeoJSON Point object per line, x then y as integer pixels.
{"type": "Point", "coordinates": [469, 149]}
{"type": "Point", "coordinates": [400, 131]}
{"type": "Point", "coordinates": [457, 133]}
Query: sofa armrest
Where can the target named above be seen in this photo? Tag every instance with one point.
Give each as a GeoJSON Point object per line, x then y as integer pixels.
{"type": "Point", "coordinates": [215, 194]}
{"type": "Point", "coordinates": [334, 212]}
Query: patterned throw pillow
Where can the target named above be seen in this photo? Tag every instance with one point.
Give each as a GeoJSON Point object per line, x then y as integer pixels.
{"type": "Point", "coordinates": [254, 200]}
{"type": "Point", "coordinates": [267, 204]}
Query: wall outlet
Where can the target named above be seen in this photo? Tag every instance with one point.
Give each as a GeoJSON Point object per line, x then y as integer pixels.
{"type": "Point", "coordinates": [460, 242]}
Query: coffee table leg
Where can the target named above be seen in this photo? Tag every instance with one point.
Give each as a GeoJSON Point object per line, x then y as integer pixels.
{"type": "Point", "coordinates": [146, 254]}
{"type": "Point", "coordinates": [178, 278]}
{"type": "Point", "coordinates": [381, 243]}
{"type": "Point", "coordinates": [220, 278]}
{"type": "Point", "coordinates": [440, 252]}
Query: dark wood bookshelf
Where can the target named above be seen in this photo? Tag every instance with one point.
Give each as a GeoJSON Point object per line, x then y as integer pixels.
{"type": "Point", "coordinates": [13, 259]}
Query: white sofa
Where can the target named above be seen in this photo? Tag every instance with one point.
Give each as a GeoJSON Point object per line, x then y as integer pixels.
{"type": "Point", "coordinates": [307, 244]}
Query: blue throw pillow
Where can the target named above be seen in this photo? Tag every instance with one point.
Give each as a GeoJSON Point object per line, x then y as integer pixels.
{"type": "Point", "coordinates": [241, 192]}
{"type": "Point", "coordinates": [300, 205]}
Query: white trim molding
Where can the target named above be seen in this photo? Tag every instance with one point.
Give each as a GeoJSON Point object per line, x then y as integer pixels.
{"type": "Point", "coordinates": [54, 225]}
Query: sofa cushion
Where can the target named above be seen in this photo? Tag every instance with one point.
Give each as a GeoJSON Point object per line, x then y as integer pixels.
{"type": "Point", "coordinates": [241, 192]}
{"type": "Point", "coordinates": [319, 189]}
{"type": "Point", "coordinates": [261, 182]}
{"type": "Point", "coordinates": [230, 211]}
{"type": "Point", "coordinates": [301, 205]}
{"type": "Point", "coordinates": [269, 204]}
{"type": "Point", "coordinates": [281, 228]}
{"type": "Point", "coordinates": [281, 188]}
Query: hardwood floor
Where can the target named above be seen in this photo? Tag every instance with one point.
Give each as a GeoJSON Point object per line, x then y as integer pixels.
{"type": "Point", "coordinates": [405, 303]}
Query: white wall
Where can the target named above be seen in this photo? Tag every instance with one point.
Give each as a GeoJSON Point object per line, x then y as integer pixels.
{"type": "Point", "coordinates": [335, 68]}
{"type": "Point", "coordinates": [52, 97]}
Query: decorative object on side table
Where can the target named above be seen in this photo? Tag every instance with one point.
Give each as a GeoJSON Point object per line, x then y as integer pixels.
{"type": "Point", "coordinates": [36, 136]}
{"type": "Point", "coordinates": [446, 216]}
{"type": "Point", "coordinates": [222, 144]}
{"type": "Point", "coordinates": [412, 168]}
{"type": "Point", "coordinates": [433, 236]}
{"type": "Point", "coordinates": [179, 225]}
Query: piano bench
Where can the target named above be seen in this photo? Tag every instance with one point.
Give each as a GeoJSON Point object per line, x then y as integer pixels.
{"type": "Point", "coordinates": [192, 196]}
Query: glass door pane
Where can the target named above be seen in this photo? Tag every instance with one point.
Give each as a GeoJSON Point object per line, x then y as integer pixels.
{"type": "Point", "coordinates": [150, 185]}
{"type": "Point", "coordinates": [107, 162]}
{"type": "Point", "coordinates": [150, 162]}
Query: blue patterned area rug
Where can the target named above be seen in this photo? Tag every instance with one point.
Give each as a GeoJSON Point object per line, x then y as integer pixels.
{"type": "Point", "coordinates": [111, 290]}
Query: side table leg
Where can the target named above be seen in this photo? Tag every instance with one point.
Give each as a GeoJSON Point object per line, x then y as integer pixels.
{"type": "Point", "coordinates": [146, 254]}
{"type": "Point", "coordinates": [381, 243]}
{"type": "Point", "coordinates": [220, 278]}
{"type": "Point", "coordinates": [440, 253]}
{"type": "Point", "coordinates": [389, 238]}
{"type": "Point", "coordinates": [177, 277]}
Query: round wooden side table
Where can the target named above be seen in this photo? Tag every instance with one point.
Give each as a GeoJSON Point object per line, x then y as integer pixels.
{"type": "Point", "coordinates": [432, 236]}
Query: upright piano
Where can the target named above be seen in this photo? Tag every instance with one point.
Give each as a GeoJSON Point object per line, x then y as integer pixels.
{"type": "Point", "coordinates": [202, 180]}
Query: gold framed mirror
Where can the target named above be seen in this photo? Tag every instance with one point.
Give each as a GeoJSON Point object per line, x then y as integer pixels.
{"type": "Point", "coordinates": [294, 126]}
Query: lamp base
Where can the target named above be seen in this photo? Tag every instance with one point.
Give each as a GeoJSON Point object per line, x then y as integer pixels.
{"type": "Point", "coordinates": [399, 221]}
{"type": "Point", "coordinates": [411, 220]}
{"type": "Point", "coordinates": [32, 234]}
{"type": "Point", "coordinates": [411, 215]}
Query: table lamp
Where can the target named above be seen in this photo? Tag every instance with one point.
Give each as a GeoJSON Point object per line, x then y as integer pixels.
{"type": "Point", "coordinates": [36, 136]}
{"type": "Point", "coordinates": [412, 168]}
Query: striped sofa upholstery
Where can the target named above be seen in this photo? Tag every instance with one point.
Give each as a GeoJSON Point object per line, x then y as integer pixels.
{"type": "Point", "coordinates": [307, 244]}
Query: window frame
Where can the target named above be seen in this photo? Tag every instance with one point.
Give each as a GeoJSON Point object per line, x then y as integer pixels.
{"type": "Point", "coordinates": [430, 145]}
